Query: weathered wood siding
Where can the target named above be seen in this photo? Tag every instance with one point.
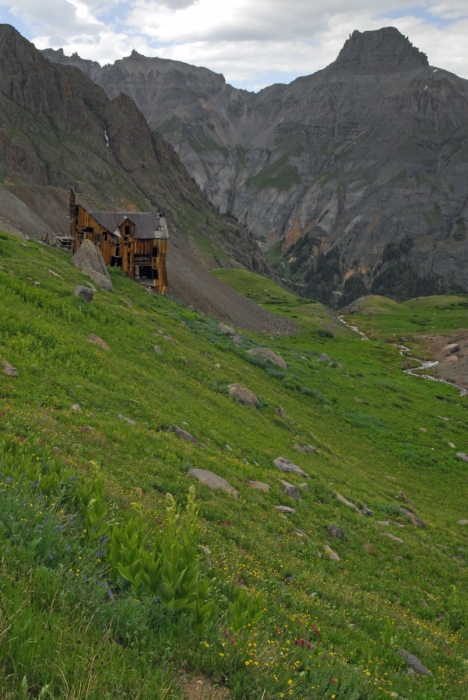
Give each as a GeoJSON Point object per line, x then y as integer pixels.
{"type": "Point", "coordinates": [125, 252]}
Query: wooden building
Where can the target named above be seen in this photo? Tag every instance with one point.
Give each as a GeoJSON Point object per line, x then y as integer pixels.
{"type": "Point", "coordinates": [134, 241]}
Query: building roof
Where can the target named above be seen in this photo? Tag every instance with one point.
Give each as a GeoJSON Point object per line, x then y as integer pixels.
{"type": "Point", "coordinates": [148, 225]}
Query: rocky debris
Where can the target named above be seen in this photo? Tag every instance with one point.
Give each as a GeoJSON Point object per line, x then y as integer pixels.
{"type": "Point", "coordinates": [55, 274]}
{"type": "Point", "coordinates": [304, 486]}
{"type": "Point", "coordinates": [76, 407]}
{"type": "Point", "coordinates": [450, 444]}
{"type": "Point", "coordinates": [243, 395]}
{"type": "Point", "coordinates": [286, 466]}
{"type": "Point", "coordinates": [301, 533]}
{"type": "Point", "coordinates": [291, 490]}
{"type": "Point", "coordinates": [96, 340]}
{"type": "Point", "coordinates": [413, 518]}
{"type": "Point", "coordinates": [463, 456]}
{"type": "Point", "coordinates": [184, 435]}
{"type": "Point", "coordinates": [344, 500]}
{"type": "Point", "coordinates": [91, 286]}
{"type": "Point", "coordinates": [127, 420]}
{"type": "Point", "coordinates": [9, 370]}
{"type": "Point", "coordinates": [102, 281]}
{"type": "Point", "coordinates": [280, 411]}
{"type": "Point", "coordinates": [217, 366]}
{"type": "Point", "coordinates": [392, 537]}
{"type": "Point", "coordinates": [269, 356]}
{"type": "Point", "coordinates": [258, 485]}
{"type": "Point", "coordinates": [213, 481]}
{"type": "Point", "coordinates": [157, 349]}
{"type": "Point", "coordinates": [451, 348]}
{"type": "Point", "coordinates": [285, 509]}
{"type": "Point", "coordinates": [358, 400]}
{"type": "Point", "coordinates": [228, 447]}
{"type": "Point", "coordinates": [399, 558]}
{"type": "Point", "coordinates": [363, 511]}
{"type": "Point", "coordinates": [304, 449]}
{"type": "Point", "coordinates": [331, 554]}
{"type": "Point", "coordinates": [324, 357]}
{"type": "Point", "coordinates": [89, 256]}
{"type": "Point", "coordinates": [462, 522]}
{"type": "Point", "coordinates": [383, 522]}
{"type": "Point", "coordinates": [404, 497]}
{"type": "Point", "coordinates": [84, 292]}
{"type": "Point", "coordinates": [414, 663]}
{"type": "Point", "coordinates": [336, 531]}
{"type": "Point", "coordinates": [226, 330]}
{"type": "Point", "coordinates": [237, 340]}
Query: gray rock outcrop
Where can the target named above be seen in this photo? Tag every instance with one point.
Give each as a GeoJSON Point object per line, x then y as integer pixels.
{"type": "Point", "coordinates": [291, 490]}
{"type": "Point", "coordinates": [185, 435]}
{"type": "Point", "coordinates": [285, 465]}
{"type": "Point", "coordinates": [414, 663]}
{"type": "Point", "coordinates": [9, 370]}
{"type": "Point", "coordinates": [269, 356]}
{"type": "Point", "coordinates": [88, 256]}
{"type": "Point", "coordinates": [331, 149]}
{"type": "Point", "coordinates": [84, 292]}
{"type": "Point", "coordinates": [214, 481]}
{"type": "Point", "coordinates": [242, 395]}
{"type": "Point", "coordinates": [103, 282]}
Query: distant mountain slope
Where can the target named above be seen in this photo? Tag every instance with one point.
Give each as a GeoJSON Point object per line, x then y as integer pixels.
{"type": "Point", "coordinates": [58, 127]}
{"type": "Point", "coordinates": [356, 176]}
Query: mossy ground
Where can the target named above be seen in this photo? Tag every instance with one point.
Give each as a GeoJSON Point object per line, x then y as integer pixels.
{"type": "Point", "coordinates": [355, 613]}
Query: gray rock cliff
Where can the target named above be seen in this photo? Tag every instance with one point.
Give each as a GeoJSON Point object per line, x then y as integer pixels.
{"type": "Point", "coordinates": [355, 177]}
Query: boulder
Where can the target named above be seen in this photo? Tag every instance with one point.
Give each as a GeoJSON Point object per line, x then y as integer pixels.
{"type": "Point", "coordinates": [89, 256]}
{"type": "Point", "coordinates": [336, 532]}
{"type": "Point", "coordinates": [269, 356]}
{"type": "Point", "coordinates": [306, 449]}
{"type": "Point", "coordinates": [184, 435]}
{"type": "Point", "coordinates": [463, 456]}
{"type": "Point", "coordinates": [127, 420]}
{"type": "Point", "coordinates": [76, 407]}
{"type": "Point", "coordinates": [96, 340]}
{"type": "Point", "coordinates": [414, 663]}
{"type": "Point", "coordinates": [331, 554]}
{"type": "Point", "coordinates": [304, 486]}
{"type": "Point", "coordinates": [291, 490]}
{"type": "Point", "coordinates": [258, 485]}
{"type": "Point", "coordinates": [413, 518]}
{"type": "Point", "coordinates": [84, 292]}
{"type": "Point", "coordinates": [237, 340]}
{"type": "Point", "coordinates": [243, 395]}
{"type": "Point", "coordinates": [286, 466]}
{"type": "Point", "coordinates": [392, 537]}
{"type": "Point", "coordinates": [324, 358]}
{"type": "Point", "coordinates": [285, 509]}
{"type": "Point", "coordinates": [9, 370]}
{"type": "Point", "coordinates": [157, 349]}
{"type": "Point", "coordinates": [102, 281]}
{"type": "Point", "coordinates": [344, 500]}
{"type": "Point", "coordinates": [462, 522]}
{"type": "Point", "coordinates": [226, 330]}
{"type": "Point", "coordinates": [451, 347]}
{"type": "Point", "coordinates": [213, 481]}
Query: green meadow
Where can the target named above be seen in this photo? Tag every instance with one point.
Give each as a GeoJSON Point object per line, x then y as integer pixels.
{"type": "Point", "coordinates": [92, 597]}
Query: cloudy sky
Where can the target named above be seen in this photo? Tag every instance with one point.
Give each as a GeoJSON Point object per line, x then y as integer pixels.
{"type": "Point", "coordinates": [252, 42]}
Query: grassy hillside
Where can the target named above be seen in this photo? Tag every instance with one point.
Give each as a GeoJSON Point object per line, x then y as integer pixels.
{"type": "Point", "coordinates": [73, 626]}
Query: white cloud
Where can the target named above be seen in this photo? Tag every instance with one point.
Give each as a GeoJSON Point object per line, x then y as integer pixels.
{"type": "Point", "coordinates": [249, 42]}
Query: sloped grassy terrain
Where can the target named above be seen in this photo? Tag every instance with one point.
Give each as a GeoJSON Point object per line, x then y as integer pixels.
{"type": "Point", "coordinates": [330, 629]}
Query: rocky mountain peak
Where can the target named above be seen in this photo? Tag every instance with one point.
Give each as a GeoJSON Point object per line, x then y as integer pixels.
{"type": "Point", "coordinates": [382, 51]}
